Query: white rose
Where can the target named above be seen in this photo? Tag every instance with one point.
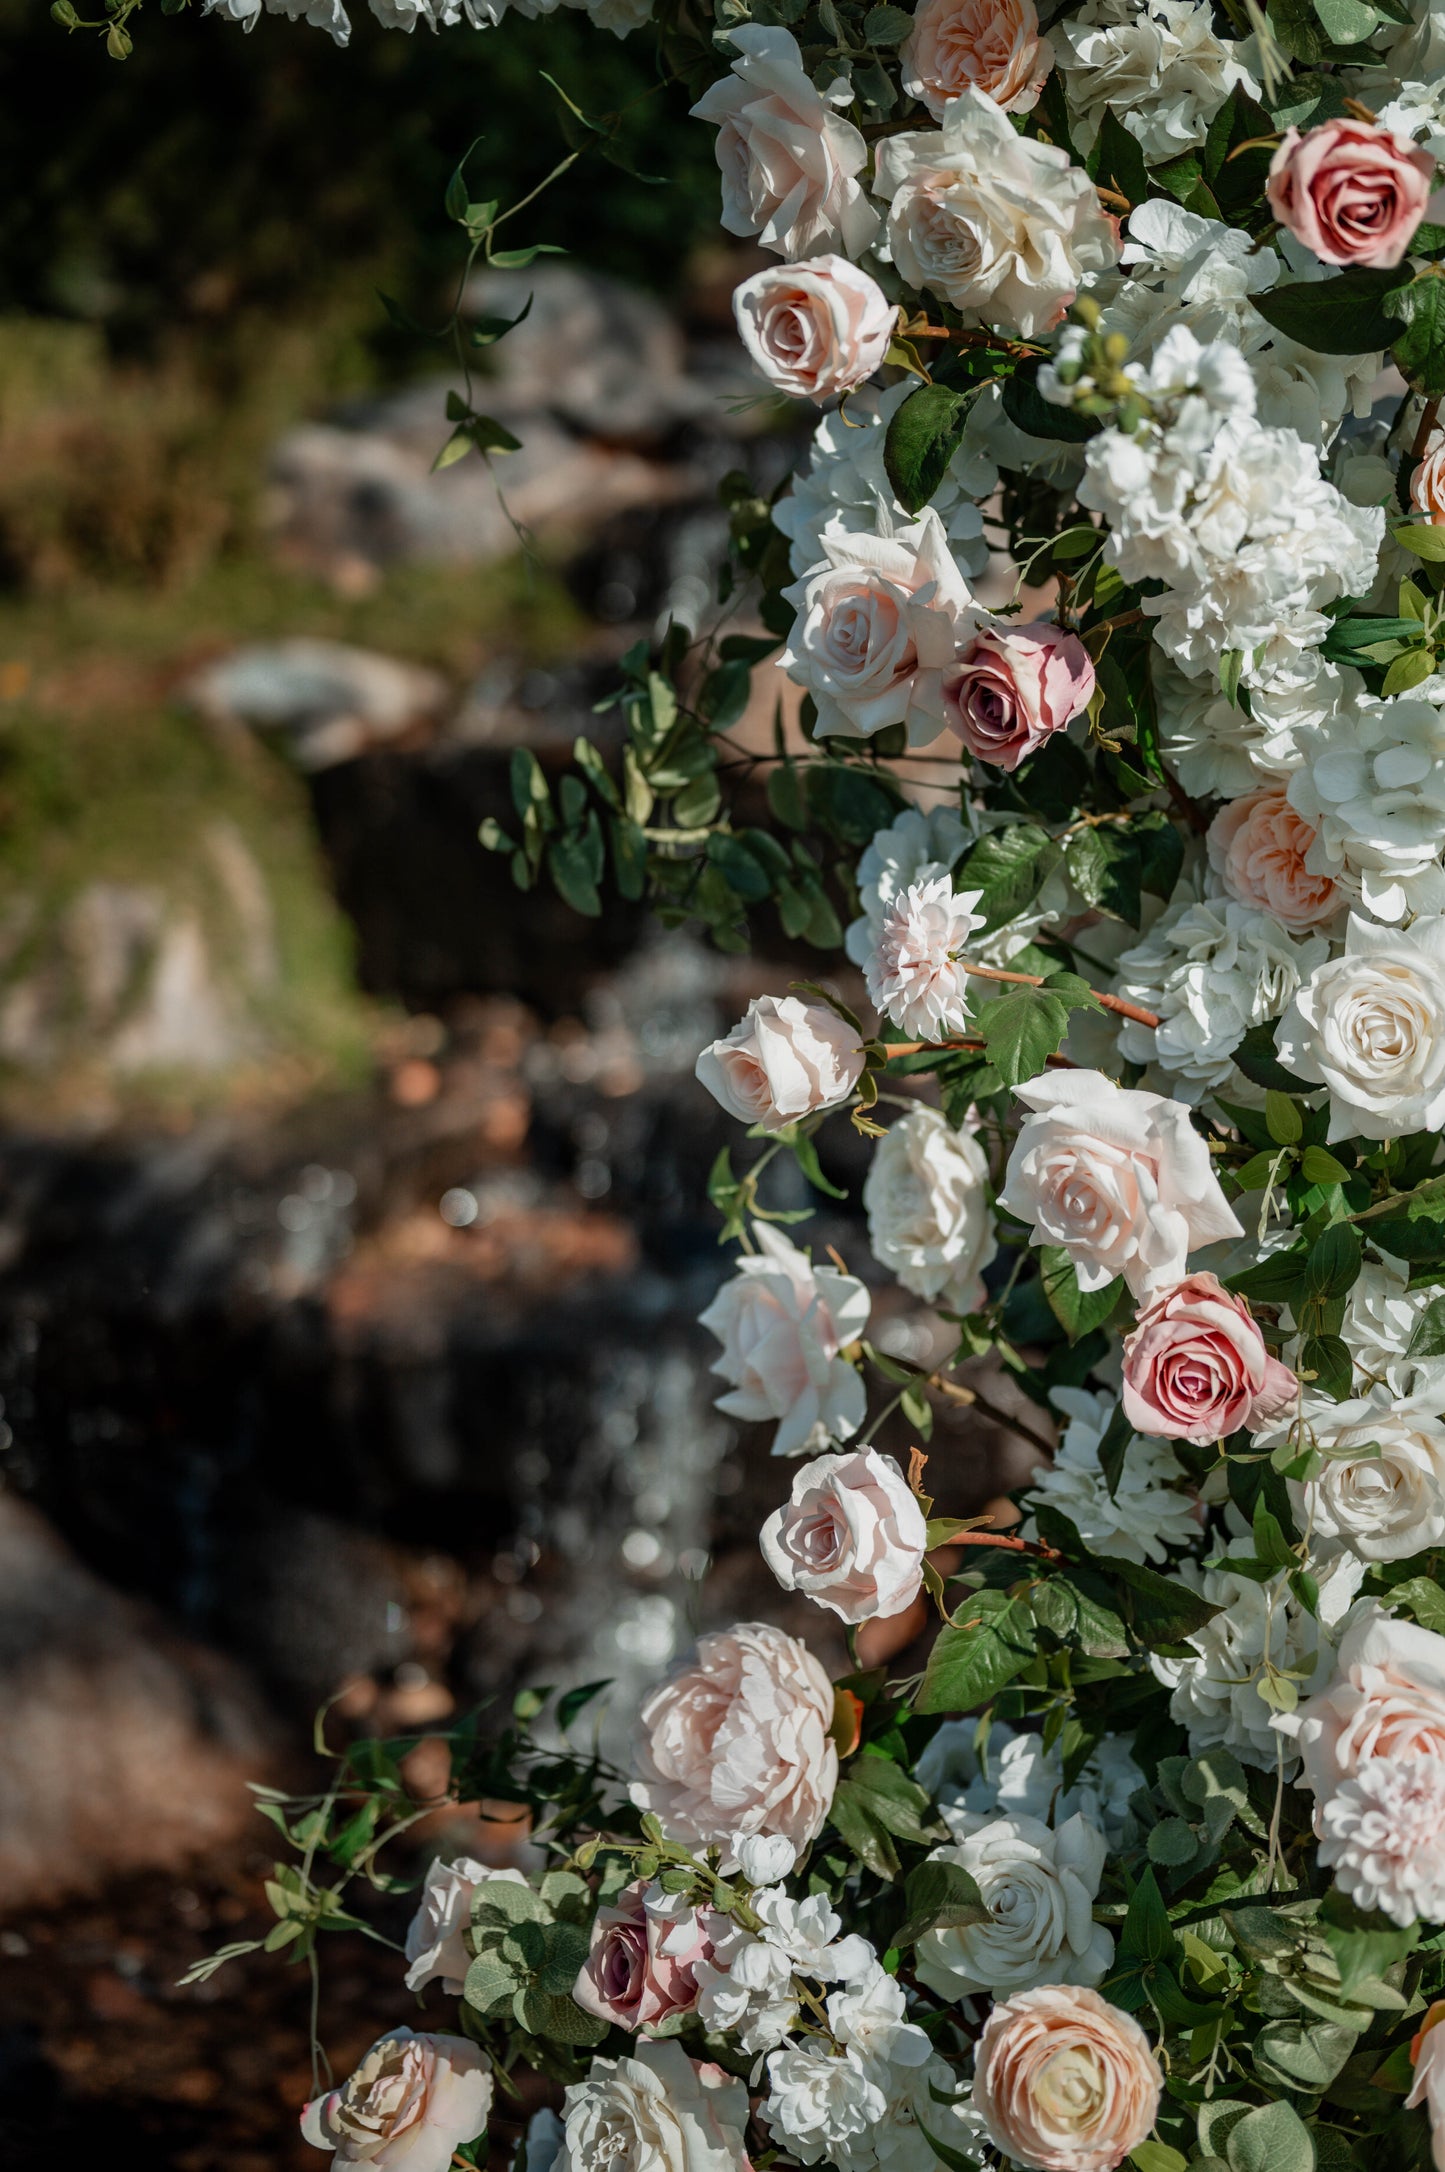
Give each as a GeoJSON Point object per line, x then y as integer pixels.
{"type": "Point", "coordinates": [1000, 226]}
{"type": "Point", "coordinates": [784, 1060]}
{"type": "Point", "coordinates": [916, 975]}
{"type": "Point", "coordinates": [736, 1742]}
{"type": "Point", "coordinates": [815, 329]}
{"type": "Point", "coordinates": [435, 1945]}
{"type": "Point", "coordinates": [411, 2102]}
{"type": "Point", "coordinates": [782, 1324]}
{"type": "Point", "coordinates": [1381, 1492]}
{"type": "Point", "coordinates": [879, 621]}
{"type": "Point", "coordinates": [851, 1536]}
{"type": "Point", "coordinates": [1039, 1888]}
{"type": "Point", "coordinates": [766, 1858]}
{"type": "Point", "coordinates": [1120, 1179]}
{"type": "Point", "coordinates": [658, 2111]}
{"type": "Point", "coordinates": [929, 1220]}
{"type": "Point", "coordinates": [789, 160]}
{"type": "Point", "coordinates": [1024, 1779]}
{"type": "Point", "coordinates": [1370, 1027]}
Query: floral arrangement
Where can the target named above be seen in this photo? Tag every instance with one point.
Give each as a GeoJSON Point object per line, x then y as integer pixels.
{"type": "Point", "coordinates": [1141, 870]}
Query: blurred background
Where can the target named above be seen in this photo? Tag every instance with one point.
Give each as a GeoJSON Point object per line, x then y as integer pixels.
{"type": "Point", "coordinates": [352, 1215]}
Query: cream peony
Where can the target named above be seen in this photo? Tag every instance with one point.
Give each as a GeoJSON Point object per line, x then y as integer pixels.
{"type": "Point", "coordinates": [658, 2111]}
{"type": "Point", "coordinates": [1427, 484]}
{"type": "Point", "coordinates": [1002, 227]}
{"type": "Point", "coordinates": [1386, 1698]}
{"type": "Point", "coordinates": [1369, 1026]}
{"type": "Point", "coordinates": [784, 1060]}
{"type": "Point", "coordinates": [916, 975]}
{"type": "Point", "coordinates": [736, 1742]}
{"type": "Point", "coordinates": [1120, 1179]}
{"type": "Point", "coordinates": [926, 1197]}
{"type": "Point", "coordinates": [409, 2104]}
{"type": "Point", "coordinates": [1064, 2082]}
{"type": "Point", "coordinates": [435, 1941]}
{"type": "Point", "coordinates": [789, 160]}
{"type": "Point", "coordinates": [814, 329]}
{"type": "Point", "coordinates": [1383, 1836]}
{"type": "Point", "coordinates": [1038, 1887]}
{"type": "Point", "coordinates": [783, 1325]}
{"type": "Point", "coordinates": [851, 1535]}
{"type": "Point", "coordinates": [1259, 847]}
{"type": "Point", "coordinates": [1381, 1492]}
{"type": "Point", "coordinates": [988, 45]}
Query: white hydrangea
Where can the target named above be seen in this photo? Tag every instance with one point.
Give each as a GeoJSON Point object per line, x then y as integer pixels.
{"type": "Point", "coordinates": [821, 2103]}
{"type": "Point", "coordinates": [1023, 1779]}
{"type": "Point", "coordinates": [1210, 968]}
{"type": "Point", "coordinates": [1039, 1889]}
{"type": "Point", "coordinates": [1381, 1315]}
{"type": "Point", "coordinates": [915, 975]}
{"type": "Point", "coordinates": [1216, 749]}
{"type": "Point", "coordinates": [1147, 1513]}
{"type": "Point", "coordinates": [1374, 789]}
{"type": "Point", "coordinates": [929, 1219]}
{"type": "Point", "coordinates": [1159, 65]}
{"type": "Point", "coordinates": [1383, 1836]}
{"type": "Point", "coordinates": [844, 489]}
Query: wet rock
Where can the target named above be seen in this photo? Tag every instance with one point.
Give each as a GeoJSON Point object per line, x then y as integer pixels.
{"type": "Point", "coordinates": [331, 702]}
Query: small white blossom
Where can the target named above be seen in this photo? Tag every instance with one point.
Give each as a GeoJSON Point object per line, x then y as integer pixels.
{"type": "Point", "coordinates": [1146, 1514]}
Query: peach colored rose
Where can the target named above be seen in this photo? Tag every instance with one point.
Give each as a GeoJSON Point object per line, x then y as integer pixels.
{"type": "Point", "coordinates": [410, 2103]}
{"type": "Point", "coordinates": [1258, 847]}
{"type": "Point", "coordinates": [1427, 484]}
{"type": "Point", "coordinates": [1013, 687]}
{"type": "Point", "coordinates": [1065, 2082]}
{"type": "Point", "coordinates": [816, 329]}
{"type": "Point", "coordinates": [785, 1059]}
{"type": "Point", "coordinates": [1427, 2055]}
{"type": "Point", "coordinates": [643, 1963]}
{"type": "Point", "coordinates": [1385, 1699]}
{"type": "Point", "coordinates": [1350, 191]}
{"type": "Point", "coordinates": [1196, 1367]}
{"type": "Point", "coordinates": [852, 1536]}
{"type": "Point", "coordinates": [992, 44]}
{"type": "Point", "coordinates": [736, 1742]}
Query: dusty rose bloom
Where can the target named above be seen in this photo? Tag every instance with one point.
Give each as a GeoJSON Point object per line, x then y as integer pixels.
{"type": "Point", "coordinates": [1351, 192]}
{"type": "Point", "coordinates": [1065, 2082]}
{"type": "Point", "coordinates": [1196, 1367]}
{"type": "Point", "coordinates": [1258, 847]}
{"type": "Point", "coordinates": [1013, 686]}
{"type": "Point", "coordinates": [1427, 2054]}
{"type": "Point", "coordinates": [1427, 484]}
{"type": "Point", "coordinates": [645, 1951]}
{"type": "Point", "coordinates": [410, 2103]}
{"type": "Point", "coordinates": [992, 44]}
{"type": "Point", "coordinates": [852, 1536]}
{"type": "Point", "coordinates": [817, 329]}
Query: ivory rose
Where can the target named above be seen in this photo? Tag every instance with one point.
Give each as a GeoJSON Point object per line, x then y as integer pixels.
{"type": "Point", "coordinates": [656, 2112]}
{"type": "Point", "coordinates": [1012, 687]}
{"type": "Point", "coordinates": [736, 1742]}
{"type": "Point", "coordinates": [1427, 484]}
{"type": "Point", "coordinates": [929, 1220]}
{"type": "Point", "coordinates": [789, 159]}
{"type": "Point", "coordinates": [1196, 1367]}
{"type": "Point", "coordinates": [783, 1325]}
{"type": "Point", "coordinates": [814, 329]}
{"type": "Point", "coordinates": [879, 621]}
{"type": "Point", "coordinates": [1065, 2082]}
{"type": "Point", "coordinates": [1350, 191]}
{"type": "Point", "coordinates": [1259, 848]}
{"type": "Point", "coordinates": [1385, 1699]}
{"type": "Point", "coordinates": [851, 1535]}
{"type": "Point", "coordinates": [435, 1944]}
{"type": "Point", "coordinates": [783, 1060]}
{"type": "Point", "coordinates": [1039, 1889]}
{"type": "Point", "coordinates": [1427, 2053]}
{"type": "Point", "coordinates": [1380, 1487]}
{"type": "Point", "coordinates": [1118, 1177]}
{"type": "Point", "coordinates": [988, 45]}
{"type": "Point", "coordinates": [642, 1969]}
{"type": "Point", "coordinates": [999, 225]}
{"type": "Point", "coordinates": [411, 2102]}
{"type": "Point", "coordinates": [1369, 1026]}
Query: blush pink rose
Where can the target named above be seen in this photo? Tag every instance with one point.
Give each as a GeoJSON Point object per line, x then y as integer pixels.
{"type": "Point", "coordinates": [1196, 1367]}
{"type": "Point", "coordinates": [1427, 2056]}
{"type": "Point", "coordinates": [1258, 847]}
{"type": "Point", "coordinates": [1350, 191]}
{"type": "Point", "coordinates": [1386, 1699]}
{"type": "Point", "coordinates": [1065, 2082]}
{"type": "Point", "coordinates": [1427, 484]}
{"type": "Point", "coordinates": [993, 45]}
{"type": "Point", "coordinates": [411, 2102]}
{"type": "Point", "coordinates": [784, 1060]}
{"type": "Point", "coordinates": [1013, 686]}
{"type": "Point", "coordinates": [817, 329]}
{"type": "Point", "coordinates": [852, 1536]}
{"type": "Point", "coordinates": [643, 1965]}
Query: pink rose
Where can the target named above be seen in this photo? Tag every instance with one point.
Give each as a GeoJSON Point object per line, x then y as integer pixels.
{"type": "Point", "coordinates": [1258, 847]}
{"type": "Point", "coordinates": [1386, 1699]}
{"type": "Point", "coordinates": [1065, 2082]}
{"type": "Point", "coordinates": [994, 45]}
{"type": "Point", "coordinates": [1013, 686]}
{"type": "Point", "coordinates": [410, 2103]}
{"type": "Point", "coordinates": [1351, 192]}
{"type": "Point", "coordinates": [852, 1536]}
{"type": "Point", "coordinates": [1427, 2054]}
{"type": "Point", "coordinates": [1427, 484]}
{"type": "Point", "coordinates": [784, 1060]}
{"type": "Point", "coordinates": [815, 330]}
{"type": "Point", "coordinates": [645, 1952]}
{"type": "Point", "coordinates": [1196, 1367]}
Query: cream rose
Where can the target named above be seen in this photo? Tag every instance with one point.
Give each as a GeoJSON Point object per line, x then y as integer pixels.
{"type": "Point", "coordinates": [999, 225]}
{"type": "Point", "coordinates": [784, 1060]}
{"type": "Point", "coordinates": [929, 1220]}
{"type": "Point", "coordinates": [1196, 1367]}
{"type": "Point", "coordinates": [1370, 1027]}
{"type": "Point", "coordinates": [435, 1940]}
{"type": "Point", "coordinates": [851, 1535]}
{"type": "Point", "coordinates": [816, 329]}
{"type": "Point", "coordinates": [988, 45]}
{"type": "Point", "coordinates": [410, 2103]}
{"type": "Point", "coordinates": [1039, 1889]}
{"type": "Point", "coordinates": [1381, 1491]}
{"type": "Point", "coordinates": [1064, 2082]}
{"type": "Point", "coordinates": [783, 1325]}
{"type": "Point", "coordinates": [789, 160]}
{"type": "Point", "coordinates": [1259, 847]}
{"type": "Point", "coordinates": [656, 2112]}
{"type": "Point", "coordinates": [736, 1742]}
{"type": "Point", "coordinates": [1385, 1699]}
{"type": "Point", "coordinates": [1119, 1178]}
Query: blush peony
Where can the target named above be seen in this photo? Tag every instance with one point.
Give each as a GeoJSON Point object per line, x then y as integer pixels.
{"type": "Point", "coordinates": [1383, 1836]}
{"type": "Point", "coordinates": [410, 2103]}
{"type": "Point", "coordinates": [1196, 1367]}
{"type": "Point", "coordinates": [851, 1535]}
{"type": "Point", "coordinates": [784, 1060]}
{"type": "Point", "coordinates": [988, 45]}
{"type": "Point", "coordinates": [1064, 2082]}
{"type": "Point", "coordinates": [916, 972]}
{"type": "Point", "coordinates": [1259, 847]}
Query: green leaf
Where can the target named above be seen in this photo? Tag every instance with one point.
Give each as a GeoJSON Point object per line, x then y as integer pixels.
{"type": "Point", "coordinates": [1077, 1311]}
{"type": "Point", "coordinates": [938, 1897]}
{"type": "Point", "coordinates": [1344, 315]}
{"type": "Point", "coordinates": [1147, 1934]}
{"type": "Point", "coordinates": [1365, 1945]}
{"type": "Point", "coordinates": [571, 864]}
{"type": "Point", "coordinates": [1422, 1597]}
{"type": "Point", "coordinates": [1320, 1167]}
{"type": "Point", "coordinates": [805, 1153]}
{"type": "Point", "coordinates": [572, 1702]}
{"type": "Point", "coordinates": [1419, 351]}
{"type": "Point", "coordinates": [557, 2018]}
{"type": "Point", "coordinates": [1114, 1447]}
{"type": "Point", "coordinates": [874, 1802]}
{"type": "Point", "coordinates": [1333, 1264]}
{"type": "Point", "coordinates": [1346, 22]}
{"type": "Point", "coordinates": [1328, 1358]}
{"type": "Point", "coordinates": [1304, 2055]}
{"type": "Point", "coordinates": [1009, 867]}
{"type": "Point", "coordinates": [922, 438]}
{"type": "Point", "coordinates": [1408, 670]}
{"type": "Point", "coordinates": [1021, 1030]}
{"type": "Point", "coordinates": [1424, 540]}
{"type": "Point", "coordinates": [1172, 1843]}
{"type": "Point", "coordinates": [1117, 159]}
{"type": "Point", "coordinates": [491, 1984]}
{"type": "Point", "coordinates": [1277, 1280]}
{"type": "Point", "coordinates": [1159, 1609]}
{"type": "Point", "coordinates": [1029, 411]}
{"type": "Point", "coordinates": [1104, 867]}
{"type": "Point", "coordinates": [887, 25]}
{"type": "Point", "coordinates": [971, 1661]}
{"type": "Point", "coordinates": [1282, 1118]}
{"type": "Point", "coordinates": [1272, 2139]}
